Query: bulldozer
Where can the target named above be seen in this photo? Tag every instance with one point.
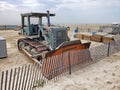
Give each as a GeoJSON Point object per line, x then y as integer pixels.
{"type": "Point", "coordinates": [43, 41]}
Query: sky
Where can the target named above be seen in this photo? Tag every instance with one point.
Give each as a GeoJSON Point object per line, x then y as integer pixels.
{"type": "Point", "coordinates": [66, 11]}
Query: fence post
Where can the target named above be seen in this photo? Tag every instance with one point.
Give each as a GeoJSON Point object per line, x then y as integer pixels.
{"type": "Point", "coordinates": [69, 63]}
{"type": "Point", "coordinates": [108, 53]}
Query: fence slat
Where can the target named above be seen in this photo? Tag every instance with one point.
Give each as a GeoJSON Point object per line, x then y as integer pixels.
{"type": "Point", "coordinates": [6, 78]}
{"type": "Point", "coordinates": [17, 78]}
{"type": "Point", "coordinates": [53, 64]}
{"type": "Point", "coordinates": [39, 72]}
{"type": "Point", "coordinates": [2, 78]}
{"type": "Point", "coordinates": [30, 76]}
{"type": "Point", "coordinates": [23, 81]}
{"type": "Point", "coordinates": [32, 79]}
{"type": "Point", "coordinates": [20, 78]}
{"type": "Point", "coordinates": [9, 85]}
{"type": "Point", "coordinates": [27, 77]}
{"type": "Point", "coordinates": [14, 74]}
{"type": "Point", "coordinates": [43, 71]}
{"type": "Point", "coordinates": [56, 66]}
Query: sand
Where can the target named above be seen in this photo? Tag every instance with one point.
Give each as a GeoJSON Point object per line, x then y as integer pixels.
{"type": "Point", "coordinates": [102, 75]}
{"type": "Point", "coordinates": [15, 58]}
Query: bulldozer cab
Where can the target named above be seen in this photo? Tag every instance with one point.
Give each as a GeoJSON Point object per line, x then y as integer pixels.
{"type": "Point", "coordinates": [32, 29]}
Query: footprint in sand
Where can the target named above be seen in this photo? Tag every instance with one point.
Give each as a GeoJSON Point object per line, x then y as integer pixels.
{"type": "Point", "coordinates": [113, 74]}
{"type": "Point", "coordinates": [109, 82]}
{"type": "Point", "coordinates": [105, 71]}
{"type": "Point", "coordinates": [97, 79]}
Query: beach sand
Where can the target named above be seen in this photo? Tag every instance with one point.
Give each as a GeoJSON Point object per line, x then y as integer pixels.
{"type": "Point", "coordinates": [102, 75]}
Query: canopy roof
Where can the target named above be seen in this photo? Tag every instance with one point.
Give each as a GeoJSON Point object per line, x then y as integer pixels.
{"type": "Point", "coordinates": [34, 14]}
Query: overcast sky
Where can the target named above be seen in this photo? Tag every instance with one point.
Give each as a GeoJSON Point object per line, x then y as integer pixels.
{"type": "Point", "coordinates": [67, 11]}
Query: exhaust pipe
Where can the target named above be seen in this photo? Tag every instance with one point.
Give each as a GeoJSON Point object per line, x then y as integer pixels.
{"type": "Point", "coordinates": [48, 18]}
